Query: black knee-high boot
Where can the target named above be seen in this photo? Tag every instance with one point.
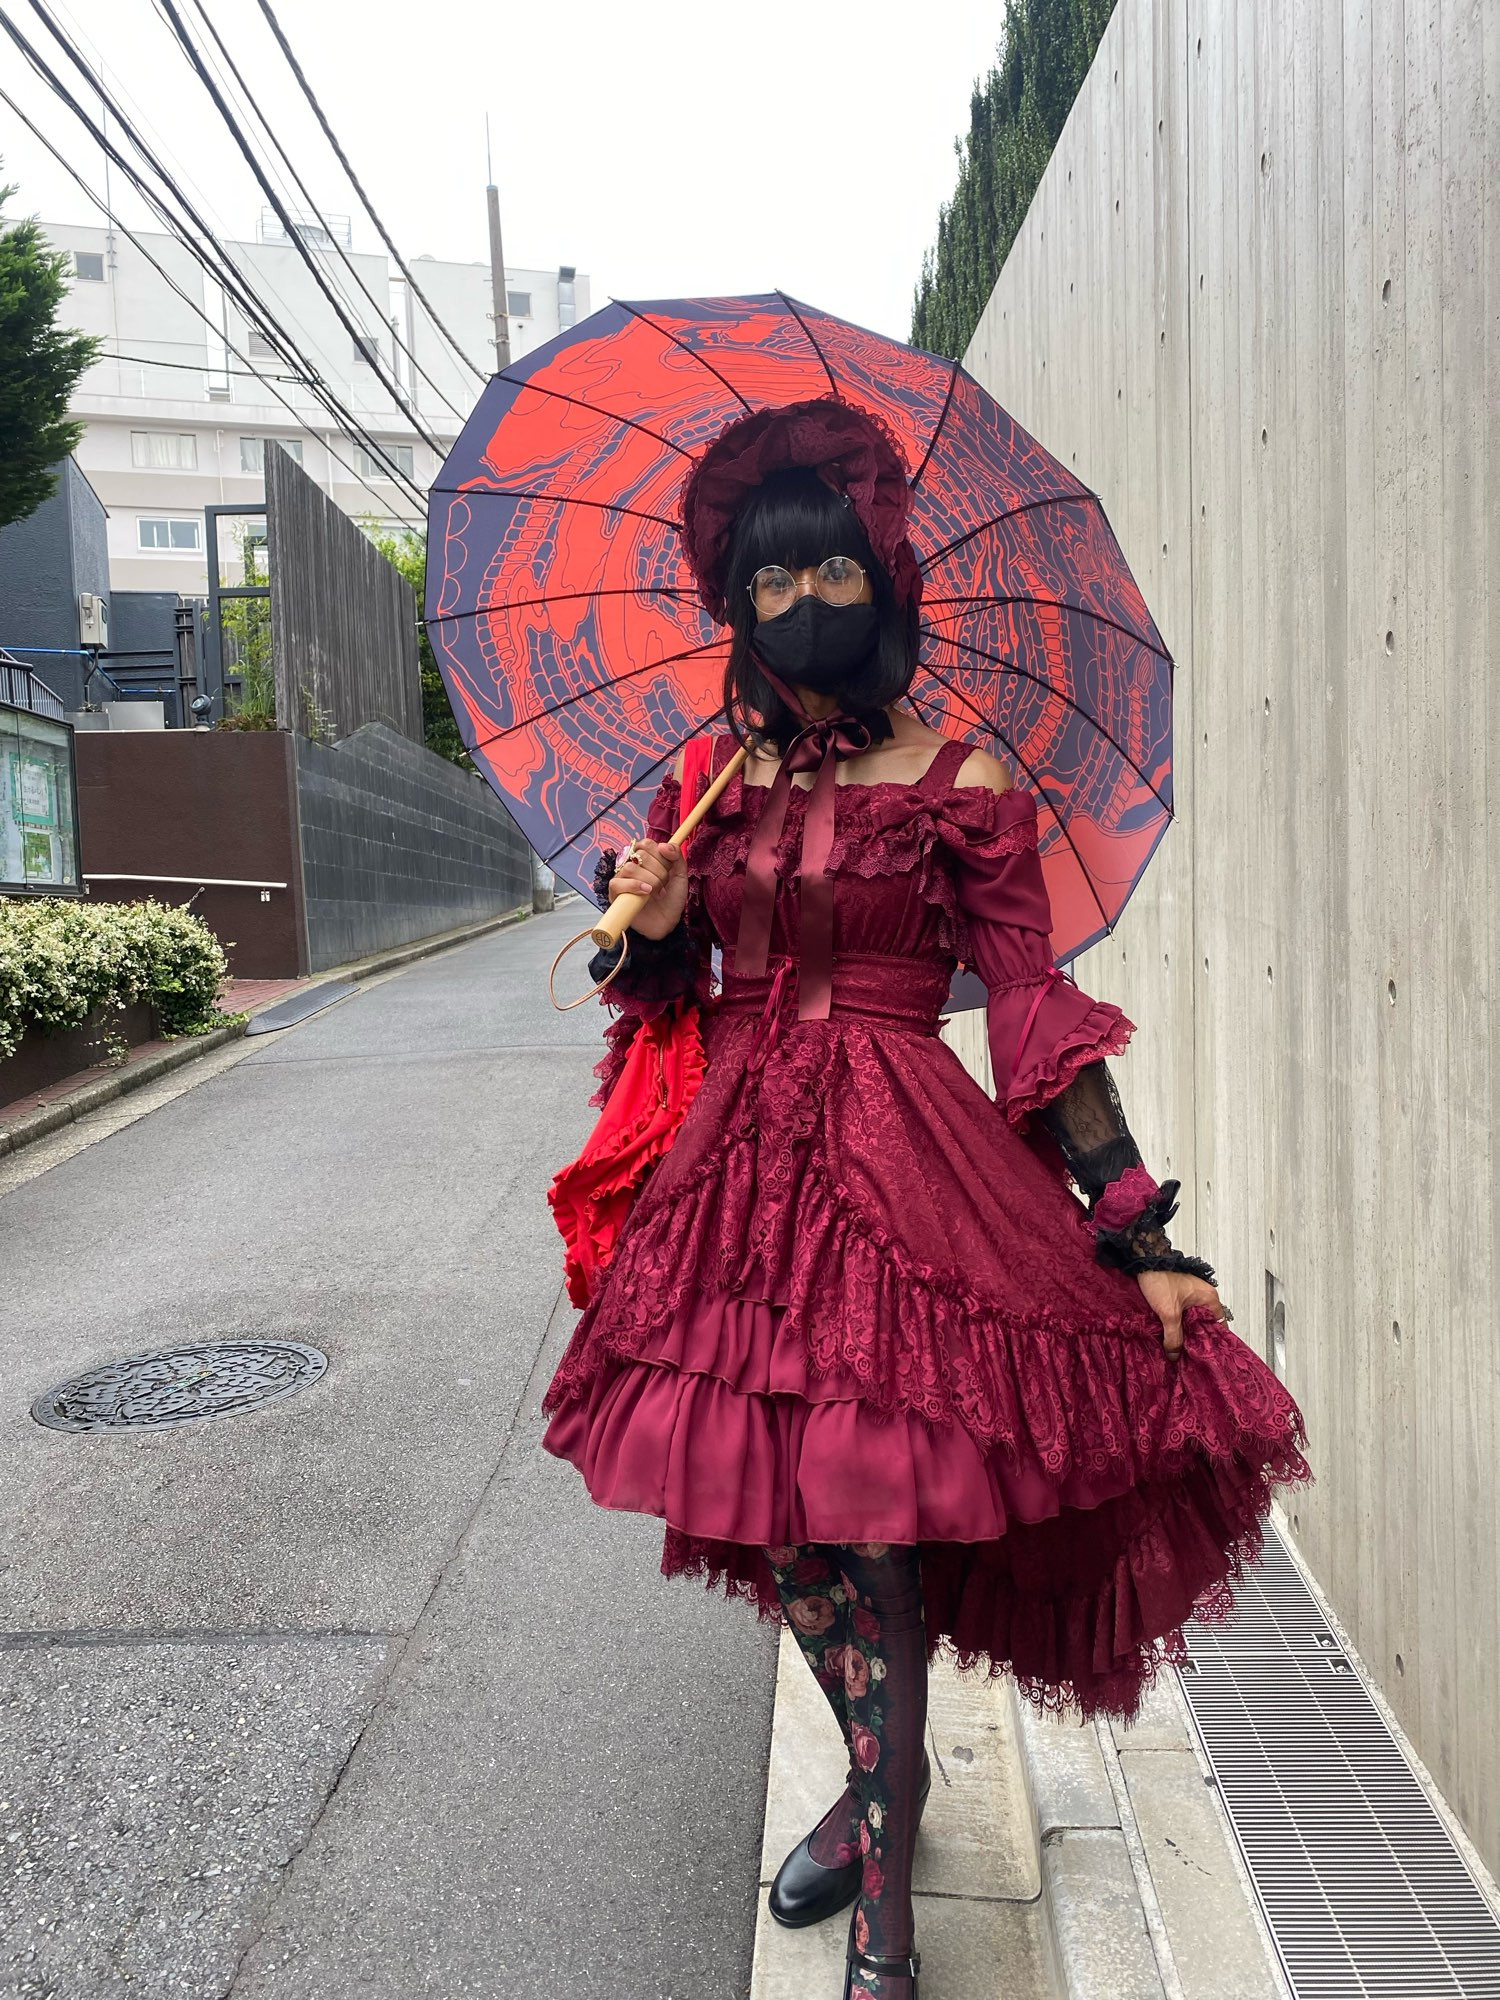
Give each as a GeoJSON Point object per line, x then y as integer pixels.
{"type": "Point", "coordinates": [885, 1685]}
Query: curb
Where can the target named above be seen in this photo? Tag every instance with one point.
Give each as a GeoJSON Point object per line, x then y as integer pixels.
{"type": "Point", "coordinates": [105, 1089]}
{"type": "Point", "coordinates": [1095, 1928]}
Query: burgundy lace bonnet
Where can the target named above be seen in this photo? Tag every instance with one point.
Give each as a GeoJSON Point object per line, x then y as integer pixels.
{"type": "Point", "coordinates": [848, 448]}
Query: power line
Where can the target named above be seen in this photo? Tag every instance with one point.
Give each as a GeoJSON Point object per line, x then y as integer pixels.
{"type": "Point", "coordinates": [189, 300]}
{"type": "Point", "coordinates": [209, 251]}
{"type": "Point", "coordinates": [178, 177]}
{"type": "Point", "coordinates": [288, 223]}
{"type": "Point", "coordinates": [354, 182]}
{"type": "Point", "coordinates": [303, 190]}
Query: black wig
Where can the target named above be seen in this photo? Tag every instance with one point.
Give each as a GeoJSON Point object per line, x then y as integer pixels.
{"type": "Point", "coordinates": [796, 519]}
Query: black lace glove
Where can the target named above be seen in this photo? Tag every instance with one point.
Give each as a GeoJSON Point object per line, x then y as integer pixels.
{"type": "Point", "coordinates": [1127, 1208]}
{"type": "Point", "coordinates": [656, 970]}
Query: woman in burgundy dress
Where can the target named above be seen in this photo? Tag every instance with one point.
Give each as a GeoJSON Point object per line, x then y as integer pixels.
{"type": "Point", "coordinates": [860, 1345]}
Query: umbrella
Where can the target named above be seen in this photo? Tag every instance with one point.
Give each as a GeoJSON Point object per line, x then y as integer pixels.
{"type": "Point", "coordinates": [578, 656]}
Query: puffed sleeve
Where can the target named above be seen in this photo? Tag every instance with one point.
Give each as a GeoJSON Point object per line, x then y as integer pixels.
{"type": "Point", "coordinates": [1048, 1039]}
{"type": "Point", "coordinates": [1043, 1028]}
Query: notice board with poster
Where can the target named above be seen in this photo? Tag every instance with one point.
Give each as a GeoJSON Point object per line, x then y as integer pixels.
{"type": "Point", "coordinates": [38, 805]}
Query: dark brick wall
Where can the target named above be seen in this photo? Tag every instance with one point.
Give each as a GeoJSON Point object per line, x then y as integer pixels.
{"type": "Point", "coordinates": [398, 843]}
{"type": "Point", "coordinates": [200, 803]}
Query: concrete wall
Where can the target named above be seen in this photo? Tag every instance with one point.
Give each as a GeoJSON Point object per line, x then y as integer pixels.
{"type": "Point", "coordinates": [397, 844]}
{"type": "Point", "coordinates": [343, 618]}
{"type": "Point", "coordinates": [1256, 304]}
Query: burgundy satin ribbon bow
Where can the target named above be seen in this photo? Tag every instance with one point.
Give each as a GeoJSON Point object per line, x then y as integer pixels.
{"type": "Point", "coordinates": [818, 746]}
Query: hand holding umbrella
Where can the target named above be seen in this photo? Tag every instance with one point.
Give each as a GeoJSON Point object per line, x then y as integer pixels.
{"type": "Point", "coordinates": [630, 904]}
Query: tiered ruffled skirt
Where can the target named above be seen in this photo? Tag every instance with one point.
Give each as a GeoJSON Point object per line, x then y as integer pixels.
{"type": "Point", "coordinates": [853, 1305]}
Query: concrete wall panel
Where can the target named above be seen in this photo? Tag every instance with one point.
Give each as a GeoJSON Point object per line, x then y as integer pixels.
{"type": "Point", "coordinates": [1255, 304]}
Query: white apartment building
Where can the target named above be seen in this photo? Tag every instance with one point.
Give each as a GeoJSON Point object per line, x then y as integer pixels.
{"type": "Point", "coordinates": [179, 414]}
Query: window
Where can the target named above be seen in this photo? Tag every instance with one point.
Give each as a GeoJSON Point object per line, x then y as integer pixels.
{"type": "Point", "coordinates": [253, 451]}
{"type": "Point", "coordinates": [518, 304]}
{"type": "Point", "coordinates": [259, 348]}
{"type": "Point", "coordinates": [367, 348]}
{"type": "Point", "coordinates": [164, 451]}
{"type": "Point", "coordinates": [164, 534]}
{"type": "Point", "coordinates": [88, 266]}
{"type": "Point", "coordinates": [368, 466]}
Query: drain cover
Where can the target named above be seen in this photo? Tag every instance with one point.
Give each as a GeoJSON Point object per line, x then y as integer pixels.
{"type": "Point", "coordinates": [1361, 1885]}
{"type": "Point", "coordinates": [146, 1391]}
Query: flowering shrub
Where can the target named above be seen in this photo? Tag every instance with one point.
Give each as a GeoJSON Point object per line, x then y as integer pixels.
{"type": "Point", "coordinates": [60, 959]}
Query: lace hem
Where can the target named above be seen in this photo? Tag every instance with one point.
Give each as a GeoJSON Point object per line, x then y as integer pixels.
{"type": "Point", "coordinates": [1083, 1612]}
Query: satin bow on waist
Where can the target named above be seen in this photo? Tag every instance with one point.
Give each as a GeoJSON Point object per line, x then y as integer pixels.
{"type": "Point", "coordinates": [817, 747]}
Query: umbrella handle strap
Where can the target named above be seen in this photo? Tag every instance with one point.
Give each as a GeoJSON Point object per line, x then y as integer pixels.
{"type": "Point", "coordinates": [567, 1006]}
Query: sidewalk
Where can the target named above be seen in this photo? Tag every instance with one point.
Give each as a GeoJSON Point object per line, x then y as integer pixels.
{"type": "Point", "coordinates": [31, 1117]}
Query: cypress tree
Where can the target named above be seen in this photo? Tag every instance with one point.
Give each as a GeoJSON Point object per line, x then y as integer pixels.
{"type": "Point", "coordinates": [1015, 116]}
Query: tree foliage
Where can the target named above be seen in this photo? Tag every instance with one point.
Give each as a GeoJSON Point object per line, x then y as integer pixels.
{"type": "Point", "coordinates": [407, 552]}
{"type": "Point", "coordinates": [1015, 116]}
{"type": "Point", "coordinates": [245, 635]}
{"type": "Point", "coordinates": [39, 364]}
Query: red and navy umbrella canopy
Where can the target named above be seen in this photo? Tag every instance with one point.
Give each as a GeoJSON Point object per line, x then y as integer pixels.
{"type": "Point", "coordinates": [577, 652]}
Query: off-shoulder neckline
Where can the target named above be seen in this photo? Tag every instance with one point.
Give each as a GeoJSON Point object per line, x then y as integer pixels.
{"type": "Point", "coordinates": [890, 785]}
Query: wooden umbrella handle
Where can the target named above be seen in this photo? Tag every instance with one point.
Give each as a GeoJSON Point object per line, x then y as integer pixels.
{"type": "Point", "coordinates": [623, 911]}
{"type": "Point", "coordinates": [615, 921]}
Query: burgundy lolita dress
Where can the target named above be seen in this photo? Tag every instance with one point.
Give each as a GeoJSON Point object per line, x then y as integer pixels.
{"type": "Point", "coordinates": [859, 1301]}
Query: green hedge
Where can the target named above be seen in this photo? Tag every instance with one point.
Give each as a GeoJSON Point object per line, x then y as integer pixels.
{"type": "Point", "coordinates": [59, 960]}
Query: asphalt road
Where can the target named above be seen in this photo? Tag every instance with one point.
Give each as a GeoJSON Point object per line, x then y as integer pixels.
{"type": "Point", "coordinates": [356, 1693]}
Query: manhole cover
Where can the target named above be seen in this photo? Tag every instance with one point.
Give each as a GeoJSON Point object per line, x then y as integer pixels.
{"type": "Point", "coordinates": [145, 1391]}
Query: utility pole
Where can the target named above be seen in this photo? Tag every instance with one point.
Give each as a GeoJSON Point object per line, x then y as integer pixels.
{"type": "Point", "coordinates": [500, 304]}
{"type": "Point", "coordinates": [543, 882]}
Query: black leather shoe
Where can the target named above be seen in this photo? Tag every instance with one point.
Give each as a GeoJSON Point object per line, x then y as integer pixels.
{"type": "Point", "coordinates": [805, 1892]}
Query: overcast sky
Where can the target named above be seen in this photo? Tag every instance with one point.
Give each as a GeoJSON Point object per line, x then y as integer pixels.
{"type": "Point", "coordinates": [664, 147]}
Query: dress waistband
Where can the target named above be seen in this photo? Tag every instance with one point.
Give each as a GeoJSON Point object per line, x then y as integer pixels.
{"type": "Point", "coordinates": [887, 988]}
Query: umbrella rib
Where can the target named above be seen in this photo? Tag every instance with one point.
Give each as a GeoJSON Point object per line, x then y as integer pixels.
{"type": "Point", "coordinates": [937, 428]}
{"type": "Point", "coordinates": [691, 352]}
{"type": "Point", "coordinates": [542, 389]}
{"type": "Point", "coordinates": [1041, 792]}
{"type": "Point", "coordinates": [812, 343]}
{"type": "Point", "coordinates": [1009, 666]}
{"type": "Point", "coordinates": [598, 687]}
{"type": "Point", "coordinates": [556, 499]}
{"type": "Point", "coordinates": [1059, 604]}
{"type": "Point", "coordinates": [609, 804]}
{"type": "Point", "coordinates": [1029, 506]}
{"type": "Point", "coordinates": [559, 597]}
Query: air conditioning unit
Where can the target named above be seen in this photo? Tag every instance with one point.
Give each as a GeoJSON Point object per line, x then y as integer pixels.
{"type": "Point", "coordinates": [93, 619]}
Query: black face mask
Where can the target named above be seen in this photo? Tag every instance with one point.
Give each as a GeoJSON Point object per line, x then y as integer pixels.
{"type": "Point", "coordinates": [817, 645]}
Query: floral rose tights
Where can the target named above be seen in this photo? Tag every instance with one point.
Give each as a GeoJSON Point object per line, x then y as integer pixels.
{"type": "Point", "coordinates": [856, 1611]}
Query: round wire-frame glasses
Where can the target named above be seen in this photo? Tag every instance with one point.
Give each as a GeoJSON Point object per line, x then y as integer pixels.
{"type": "Point", "coordinates": [774, 589]}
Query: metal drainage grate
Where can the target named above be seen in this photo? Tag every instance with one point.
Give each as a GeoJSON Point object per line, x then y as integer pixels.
{"type": "Point", "coordinates": [146, 1391]}
{"type": "Point", "coordinates": [1360, 1883]}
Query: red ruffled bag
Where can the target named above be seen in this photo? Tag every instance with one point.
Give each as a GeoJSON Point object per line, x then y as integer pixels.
{"type": "Point", "coordinates": [592, 1196]}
